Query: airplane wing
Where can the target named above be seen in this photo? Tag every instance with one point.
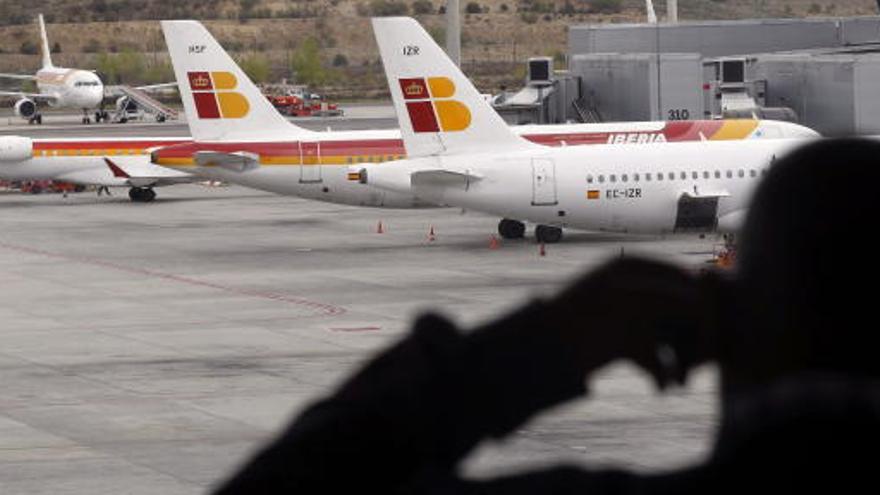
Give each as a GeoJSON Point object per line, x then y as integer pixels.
{"type": "Point", "coordinates": [239, 161]}
{"type": "Point", "coordinates": [146, 175]}
{"type": "Point", "coordinates": [33, 96]}
{"type": "Point", "coordinates": [443, 178]}
{"type": "Point", "coordinates": [22, 77]}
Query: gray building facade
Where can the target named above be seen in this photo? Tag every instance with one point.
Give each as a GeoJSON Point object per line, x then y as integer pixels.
{"type": "Point", "coordinates": [826, 70]}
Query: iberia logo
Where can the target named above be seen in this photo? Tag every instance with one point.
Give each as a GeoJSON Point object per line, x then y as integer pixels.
{"type": "Point", "coordinates": [214, 98]}
{"type": "Point", "coordinates": [429, 106]}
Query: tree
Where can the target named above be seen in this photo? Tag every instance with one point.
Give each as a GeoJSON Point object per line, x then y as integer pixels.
{"type": "Point", "coordinates": [306, 63]}
{"type": "Point", "coordinates": [28, 48]}
{"type": "Point", "coordinates": [256, 67]}
{"type": "Point", "coordinates": [422, 7]}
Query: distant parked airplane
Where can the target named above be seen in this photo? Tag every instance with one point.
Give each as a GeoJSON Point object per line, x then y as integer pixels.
{"type": "Point", "coordinates": [72, 88]}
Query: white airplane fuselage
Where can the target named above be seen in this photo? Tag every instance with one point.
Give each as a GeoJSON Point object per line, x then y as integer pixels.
{"type": "Point", "coordinates": [605, 187]}
{"type": "Point", "coordinates": [70, 88]}
{"type": "Point", "coordinates": [326, 174]}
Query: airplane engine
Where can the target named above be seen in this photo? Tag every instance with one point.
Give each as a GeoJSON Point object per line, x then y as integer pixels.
{"type": "Point", "coordinates": [25, 108]}
{"type": "Point", "coordinates": [15, 148]}
{"type": "Point", "coordinates": [124, 103]}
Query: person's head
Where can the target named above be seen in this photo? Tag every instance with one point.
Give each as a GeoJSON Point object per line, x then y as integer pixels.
{"type": "Point", "coordinates": [807, 267]}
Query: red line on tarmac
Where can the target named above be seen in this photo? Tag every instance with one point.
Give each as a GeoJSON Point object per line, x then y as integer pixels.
{"type": "Point", "coordinates": [324, 308]}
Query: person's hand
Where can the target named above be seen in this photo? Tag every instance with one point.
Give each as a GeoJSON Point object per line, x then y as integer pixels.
{"type": "Point", "coordinates": [655, 315]}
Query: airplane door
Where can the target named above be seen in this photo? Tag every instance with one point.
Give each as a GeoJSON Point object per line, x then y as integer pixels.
{"type": "Point", "coordinates": [696, 214]}
{"type": "Point", "coordinates": [543, 182]}
{"type": "Point", "coordinates": [310, 158]}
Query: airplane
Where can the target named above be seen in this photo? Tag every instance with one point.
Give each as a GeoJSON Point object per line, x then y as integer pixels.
{"type": "Point", "coordinates": [460, 153]}
{"type": "Point", "coordinates": [103, 162]}
{"type": "Point", "coordinates": [74, 88]}
{"type": "Point", "coordinates": [239, 137]}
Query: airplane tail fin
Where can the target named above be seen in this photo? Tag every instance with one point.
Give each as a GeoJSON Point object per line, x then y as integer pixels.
{"type": "Point", "coordinates": [439, 110]}
{"type": "Point", "coordinates": [44, 46]}
{"type": "Point", "coordinates": [220, 100]}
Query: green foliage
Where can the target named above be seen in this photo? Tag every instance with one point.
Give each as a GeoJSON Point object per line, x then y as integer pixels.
{"type": "Point", "coordinates": [28, 48]}
{"type": "Point", "coordinates": [606, 6]}
{"type": "Point", "coordinates": [473, 8]}
{"type": "Point", "coordinates": [422, 7]}
{"type": "Point", "coordinates": [385, 8]}
{"type": "Point", "coordinates": [122, 68]}
{"type": "Point", "coordinates": [92, 46]}
{"type": "Point", "coordinates": [256, 67]}
{"type": "Point", "coordinates": [306, 64]}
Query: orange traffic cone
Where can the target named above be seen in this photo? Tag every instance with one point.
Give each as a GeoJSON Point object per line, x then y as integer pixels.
{"type": "Point", "coordinates": [431, 236]}
{"type": "Point", "coordinates": [542, 251]}
{"type": "Point", "coordinates": [379, 229]}
{"type": "Point", "coordinates": [493, 242]}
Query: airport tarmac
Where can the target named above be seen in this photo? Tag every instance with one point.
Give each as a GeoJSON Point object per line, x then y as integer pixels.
{"type": "Point", "coordinates": [148, 348]}
{"type": "Point", "coordinates": [66, 125]}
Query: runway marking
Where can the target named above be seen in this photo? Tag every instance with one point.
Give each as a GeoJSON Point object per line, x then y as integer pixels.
{"type": "Point", "coordinates": [323, 308]}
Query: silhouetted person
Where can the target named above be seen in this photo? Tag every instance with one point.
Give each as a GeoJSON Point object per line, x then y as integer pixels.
{"type": "Point", "coordinates": [792, 332]}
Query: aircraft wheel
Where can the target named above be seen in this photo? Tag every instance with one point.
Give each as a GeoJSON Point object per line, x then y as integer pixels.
{"type": "Point", "coordinates": [136, 194]}
{"type": "Point", "coordinates": [548, 234]}
{"type": "Point", "coordinates": [149, 195]}
{"type": "Point", "coordinates": [511, 229]}
{"type": "Point", "coordinates": [160, 117]}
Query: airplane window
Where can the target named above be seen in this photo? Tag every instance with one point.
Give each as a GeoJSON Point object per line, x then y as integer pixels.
{"type": "Point", "coordinates": [660, 176]}
{"type": "Point", "coordinates": [684, 175]}
{"type": "Point", "coordinates": [612, 178]}
{"type": "Point", "coordinates": [741, 173]}
{"type": "Point", "coordinates": [705, 174]}
{"type": "Point", "coordinates": [589, 179]}
{"type": "Point", "coordinates": [717, 174]}
{"type": "Point", "coordinates": [763, 171]}
{"type": "Point", "coordinates": [695, 175]}
{"type": "Point", "coordinates": [729, 174]}
{"type": "Point", "coordinates": [636, 177]}
{"type": "Point", "coordinates": [671, 175]}
{"type": "Point", "coordinates": [623, 177]}
{"type": "Point", "coordinates": [601, 179]}
{"type": "Point", "coordinates": [752, 173]}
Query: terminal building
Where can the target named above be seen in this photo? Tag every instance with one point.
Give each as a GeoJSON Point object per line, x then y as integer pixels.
{"type": "Point", "coordinates": [820, 72]}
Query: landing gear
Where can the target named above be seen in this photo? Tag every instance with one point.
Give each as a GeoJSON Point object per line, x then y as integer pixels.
{"type": "Point", "coordinates": [511, 229]}
{"type": "Point", "coordinates": [86, 119]}
{"type": "Point", "coordinates": [548, 234]}
{"type": "Point", "coordinates": [101, 115]}
{"type": "Point", "coordinates": [160, 117]}
{"type": "Point", "coordinates": [36, 118]}
{"type": "Point", "coordinates": [142, 194]}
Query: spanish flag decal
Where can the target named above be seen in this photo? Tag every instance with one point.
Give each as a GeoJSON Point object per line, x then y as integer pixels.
{"type": "Point", "coordinates": [593, 194]}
